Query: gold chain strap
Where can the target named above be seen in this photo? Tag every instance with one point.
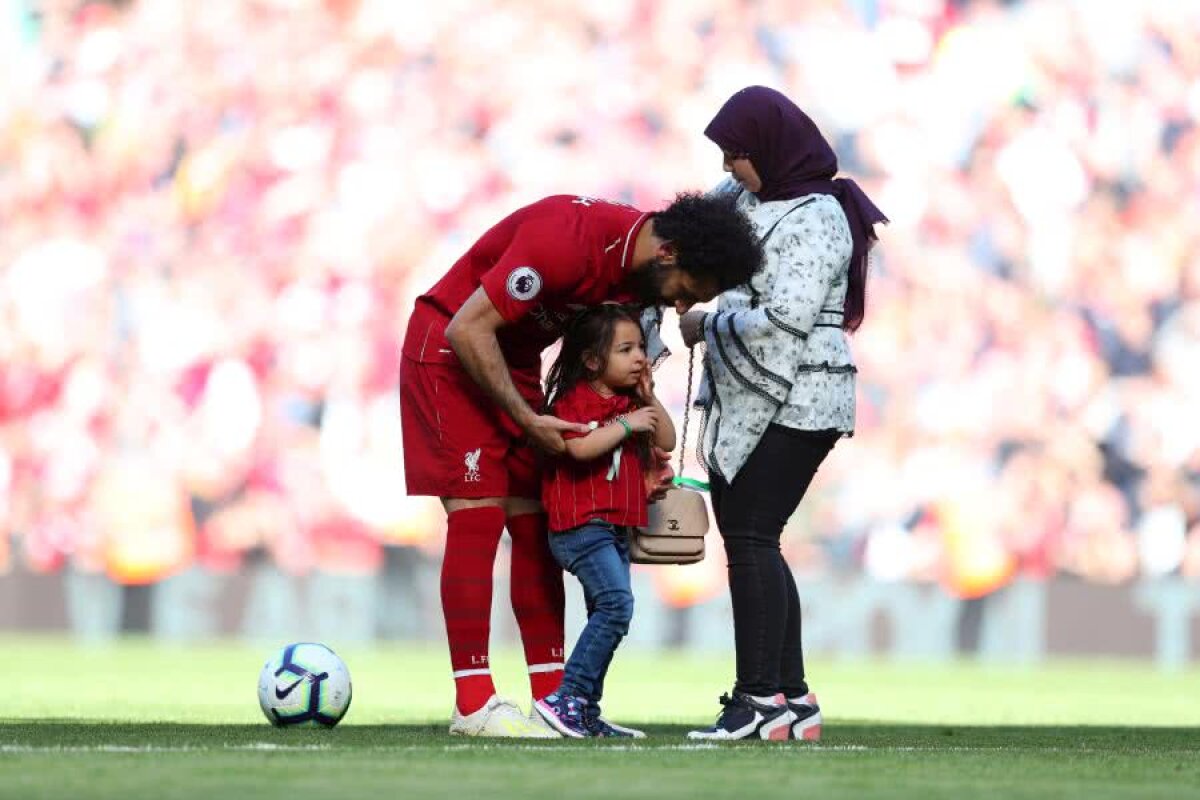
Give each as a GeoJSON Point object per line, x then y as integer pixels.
{"type": "Point", "coordinates": [687, 407]}
{"type": "Point", "coordinates": [690, 483]}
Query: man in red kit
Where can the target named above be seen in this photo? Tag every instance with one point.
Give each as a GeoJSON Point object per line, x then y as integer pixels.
{"type": "Point", "coordinates": [470, 397]}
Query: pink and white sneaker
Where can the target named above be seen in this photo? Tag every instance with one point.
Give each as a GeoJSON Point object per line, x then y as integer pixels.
{"type": "Point", "coordinates": [806, 722]}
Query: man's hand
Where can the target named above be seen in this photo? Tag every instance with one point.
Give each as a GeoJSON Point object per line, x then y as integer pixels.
{"type": "Point", "coordinates": [691, 327]}
{"type": "Point", "coordinates": [545, 433]}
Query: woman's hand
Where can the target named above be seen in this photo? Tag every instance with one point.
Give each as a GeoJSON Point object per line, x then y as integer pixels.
{"type": "Point", "coordinates": [644, 420]}
{"type": "Point", "coordinates": [691, 327]}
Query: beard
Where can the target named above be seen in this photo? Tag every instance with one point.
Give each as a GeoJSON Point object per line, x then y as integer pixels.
{"type": "Point", "coordinates": [647, 283]}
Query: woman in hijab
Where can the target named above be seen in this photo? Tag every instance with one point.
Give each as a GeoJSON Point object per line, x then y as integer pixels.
{"type": "Point", "coordinates": [778, 387]}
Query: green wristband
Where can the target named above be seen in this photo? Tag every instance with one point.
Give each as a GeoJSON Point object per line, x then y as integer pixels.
{"type": "Point", "coordinates": [628, 428]}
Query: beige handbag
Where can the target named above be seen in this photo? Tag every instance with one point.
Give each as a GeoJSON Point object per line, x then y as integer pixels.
{"type": "Point", "coordinates": [674, 533]}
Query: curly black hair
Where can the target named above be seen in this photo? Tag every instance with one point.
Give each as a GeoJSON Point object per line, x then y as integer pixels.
{"type": "Point", "coordinates": [711, 237]}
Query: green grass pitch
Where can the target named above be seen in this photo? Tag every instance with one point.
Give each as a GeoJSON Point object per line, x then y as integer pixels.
{"type": "Point", "coordinates": [138, 719]}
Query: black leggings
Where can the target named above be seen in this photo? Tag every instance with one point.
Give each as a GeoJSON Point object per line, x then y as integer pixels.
{"type": "Point", "coordinates": [751, 513]}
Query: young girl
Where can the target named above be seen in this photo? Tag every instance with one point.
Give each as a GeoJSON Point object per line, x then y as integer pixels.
{"type": "Point", "coordinates": [595, 493]}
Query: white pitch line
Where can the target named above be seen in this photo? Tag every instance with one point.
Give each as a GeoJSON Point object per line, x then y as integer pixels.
{"type": "Point", "coordinates": [449, 748]}
{"type": "Point", "coordinates": [150, 748]}
{"type": "Point", "coordinates": [783, 750]}
{"type": "Point", "coordinates": [650, 748]}
{"type": "Point", "coordinates": [550, 748]}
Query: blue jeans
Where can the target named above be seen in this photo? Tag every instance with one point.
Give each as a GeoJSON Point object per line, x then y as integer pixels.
{"type": "Point", "coordinates": [598, 555]}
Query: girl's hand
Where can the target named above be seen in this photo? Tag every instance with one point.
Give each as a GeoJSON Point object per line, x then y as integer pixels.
{"type": "Point", "coordinates": [644, 420]}
{"type": "Point", "coordinates": [691, 327]}
{"type": "Point", "coordinates": [660, 475]}
{"type": "Point", "coordinates": [645, 387]}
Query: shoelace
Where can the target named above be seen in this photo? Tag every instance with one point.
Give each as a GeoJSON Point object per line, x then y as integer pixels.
{"type": "Point", "coordinates": [591, 720]}
{"type": "Point", "coordinates": [597, 726]}
{"type": "Point", "coordinates": [727, 703]}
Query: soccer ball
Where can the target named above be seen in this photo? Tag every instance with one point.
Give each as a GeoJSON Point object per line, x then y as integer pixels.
{"type": "Point", "coordinates": [304, 684]}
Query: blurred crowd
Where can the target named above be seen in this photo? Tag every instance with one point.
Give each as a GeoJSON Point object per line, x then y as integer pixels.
{"type": "Point", "coordinates": [214, 218]}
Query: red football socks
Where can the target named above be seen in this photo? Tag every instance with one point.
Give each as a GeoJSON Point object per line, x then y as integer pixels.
{"type": "Point", "coordinates": [537, 601]}
{"type": "Point", "coordinates": [472, 536]}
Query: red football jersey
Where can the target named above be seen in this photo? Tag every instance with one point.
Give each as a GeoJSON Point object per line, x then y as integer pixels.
{"type": "Point", "coordinates": [538, 266]}
{"type": "Point", "coordinates": [575, 492]}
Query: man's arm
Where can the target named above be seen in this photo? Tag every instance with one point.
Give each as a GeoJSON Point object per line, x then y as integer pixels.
{"type": "Point", "coordinates": [472, 334]}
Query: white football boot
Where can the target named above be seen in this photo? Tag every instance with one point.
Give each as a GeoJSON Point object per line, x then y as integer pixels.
{"type": "Point", "coordinates": [498, 718]}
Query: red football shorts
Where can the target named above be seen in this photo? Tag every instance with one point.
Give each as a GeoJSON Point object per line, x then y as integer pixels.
{"type": "Point", "coordinates": [457, 443]}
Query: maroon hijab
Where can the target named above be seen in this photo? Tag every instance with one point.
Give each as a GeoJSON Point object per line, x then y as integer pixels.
{"type": "Point", "coordinates": [793, 159]}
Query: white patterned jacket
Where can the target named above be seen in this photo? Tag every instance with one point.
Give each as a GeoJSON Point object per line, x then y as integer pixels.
{"type": "Point", "coordinates": [776, 351]}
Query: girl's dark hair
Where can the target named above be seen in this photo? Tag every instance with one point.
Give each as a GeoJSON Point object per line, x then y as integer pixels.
{"type": "Point", "coordinates": [589, 334]}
